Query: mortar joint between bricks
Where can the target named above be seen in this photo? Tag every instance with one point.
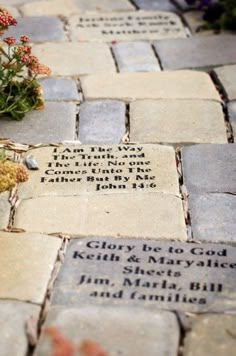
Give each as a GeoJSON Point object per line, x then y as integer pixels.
{"type": "Point", "coordinates": [156, 55]}
{"type": "Point", "coordinates": [132, 2]}
{"type": "Point", "coordinates": [114, 58]}
{"type": "Point", "coordinates": [66, 28]}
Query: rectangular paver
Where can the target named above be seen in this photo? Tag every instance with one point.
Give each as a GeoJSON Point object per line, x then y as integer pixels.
{"type": "Point", "coordinates": [102, 122]}
{"type": "Point", "coordinates": [209, 168]}
{"type": "Point", "coordinates": [162, 85]}
{"type": "Point", "coordinates": [146, 273]}
{"type": "Point", "coordinates": [112, 330]}
{"type": "Point", "coordinates": [60, 89]}
{"type": "Point", "coordinates": [213, 217]}
{"type": "Point", "coordinates": [126, 26]}
{"type": "Point", "coordinates": [152, 215]}
{"type": "Point", "coordinates": [26, 265]}
{"type": "Point", "coordinates": [197, 52]}
{"type": "Point", "coordinates": [55, 123]}
{"type": "Point", "coordinates": [135, 57]}
{"type": "Point", "coordinates": [177, 121]}
{"type": "Point", "coordinates": [13, 322]}
{"type": "Point", "coordinates": [76, 58]}
{"type": "Point", "coordinates": [83, 169]}
{"type": "Point", "coordinates": [226, 76]}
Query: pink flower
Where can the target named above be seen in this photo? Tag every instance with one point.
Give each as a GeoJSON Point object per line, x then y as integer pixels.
{"type": "Point", "coordinates": [9, 40]}
{"type": "Point", "coordinates": [24, 38]}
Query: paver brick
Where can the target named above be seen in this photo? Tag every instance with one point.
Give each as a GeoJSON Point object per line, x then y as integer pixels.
{"type": "Point", "coordinates": [5, 209]}
{"type": "Point", "coordinates": [162, 85]}
{"type": "Point", "coordinates": [26, 262]}
{"type": "Point", "coordinates": [226, 76]}
{"type": "Point", "coordinates": [135, 57]}
{"type": "Point", "coordinates": [211, 334]}
{"type": "Point", "coordinates": [68, 7]}
{"type": "Point", "coordinates": [39, 29]}
{"type": "Point", "coordinates": [232, 116]}
{"type": "Point", "coordinates": [13, 322]}
{"type": "Point", "coordinates": [102, 122]}
{"type": "Point", "coordinates": [76, 58]}
{"type": "Point", "coordinates": [152, 215]}
{"type": "Point", "coordinates": [177, 121]}
{"type": "Point", "coordinates": [213, 217]}
{"type": "Point", "coordinates": [165, 5]}
{"type": "Point", "coordinates": [60, 89]}
{"type": "Point", "coordinates": [197, 52]}
{"type": "Point", "coordinates": [55, 123]}
{"type": "Point", "coordinates": [209, 168]}
{"type": "Point", "coordinates": [115, 330]}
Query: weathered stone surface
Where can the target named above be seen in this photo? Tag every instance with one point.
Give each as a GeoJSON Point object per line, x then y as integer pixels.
{"type": "Point", "coordinates": [68, 7]}
{"type": "Point", "coordinates": [5, 208]}
{"type": "Point", "coordinates": [197, 52]}
{"type": "Point", "coordinates": [126, 26]}
{"type": "Point", "coordinates": [116, 330]}
{"type": "Point", "coordinates": [165, 5]}
{"type": "Point", "coordinates": [227, 77]}
{"type": "Point", "coordinates": [156, 215]}
{"type": "Point", "coordinates": [152, 274]}
{"type": "Point", "coordinates": [14, 316]}
{"type": "Point", "coordinates": [211, 334]}
{"type": "Point", "coordinates": [55, 123]}
{"type": "Point", "coordinates": [102, 122]}
{"type": "Point", "coordinates": [162, 85]}
{"type": "Point", "coordinates": [209, 168]}
{"type": "Point", "coordinates": [76, 58]}
{"type": "Point", "coordinates": [177, 121]}
{"type": "Point", "coordinates": [26, 263]}
{"type": "Point", "coordinates": [60, 89]}
{"type": "Point", "coordinates": [232, 116]}
{"type": "Point", "coordinates": [213, 217]}
{"type": "Point", "coordinates": [135, 57]}
{"type": "Point", "coordinates": [81, 169]}
{"type": "Point", "coordinates": [39, 29]}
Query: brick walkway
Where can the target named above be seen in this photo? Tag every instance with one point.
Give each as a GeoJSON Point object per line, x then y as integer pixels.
{"type": "Point", "coordinates": [124, 236]}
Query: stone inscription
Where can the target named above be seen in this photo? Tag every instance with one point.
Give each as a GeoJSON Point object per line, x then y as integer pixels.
{"type": "Point", "coordinates": [165, 275]}
{"type": "Point", "coordinates": [69, 170]}
{"type": "Point", "coordinates": [126, 26]}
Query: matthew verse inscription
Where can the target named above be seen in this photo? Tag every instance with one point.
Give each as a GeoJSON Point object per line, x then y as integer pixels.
{"type": "Point", "coordinates": [126, 26]}
{"type": "Point", "coordinates": [79, 169]}
{"type": "Point", "coordinates": [167, 275]}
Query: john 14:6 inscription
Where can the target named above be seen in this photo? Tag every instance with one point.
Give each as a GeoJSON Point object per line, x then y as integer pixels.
{"type": "Point", "coordinates": [166, 275]}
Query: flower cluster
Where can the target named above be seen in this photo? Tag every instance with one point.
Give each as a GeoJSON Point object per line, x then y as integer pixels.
{"type": "Point", "coordinates": [19, 89]}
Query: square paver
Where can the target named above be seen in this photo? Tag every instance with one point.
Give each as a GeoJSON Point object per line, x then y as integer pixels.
{"type": "Point", "coordinates": [84, 169]}
{"type": "Point", "coordinates": [14, 317]}
{"type": "Point", "coordinates": [211, 334]}
{"type": "Point", "coordinates": [146, 273]}
{"type": "Point", "coordinates": [162, 85]}
{"type": "Point", "coordinates": [232, 116]}
{"type": "Point", "coordinates": [213, 217]}
{"type": "Point", "coordinates": [60, 89]}
{"type": "Point", "coordinates": [102, 121]}
{"type": "Point", "coordinates": [165, 5]}
{"type": "Point", "coordinates": [76, 58]}
{"type": "Point", "coordinates": [5, 209]}
{"type": "Point", "coordinates": [209, 168]}
{"type": "Point", "coordinates": [126, 26]}
{"type": "Point", "coordinates": [38, 28]}
{"type": "Point", "coordinates": [151, 215]}
{"type": "Point", "coordinates": [112, 330]}
{"type": "Point", "coordinates": [226, 76]}
{"type": "Point", "coordinates": [197, 52]}
{"type": "Point", "coordinates": [55, 123]}
{"type": "Point", "coordinates": [26, 264]}
{"type": "Point", "coordinates": [177, 121]}
{"type": "Point", "coordinates": [135, 57]}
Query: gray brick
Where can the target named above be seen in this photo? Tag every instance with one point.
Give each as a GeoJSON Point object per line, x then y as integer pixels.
{"type": "Point", "coordinates": [226, 76]}
{"type": "Point", "coordinates": [197, 52]}
{"type": "Point", "coordinates": [56, 89]}
{"type": "Point", "coordinates": [210, 168]}
{"type": "Point", "coordinates": [213, 217]}
{"type": "Point", "coordinates": [163, 5]}
{"type": "Point", "coordinates": [135, 57]}
{"type": "Point", "coordinates": [102, 122]}
{"type": "Point", "coordinates": [38, 28]}
{"type": "Point", "coordinates": [232, 117]}
{"type": "Point", "coordinates": [56, 122]}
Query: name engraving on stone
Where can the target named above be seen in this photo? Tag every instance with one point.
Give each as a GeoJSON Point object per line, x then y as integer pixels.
{"type": "Point", "coordinates": [167, 275]}
{"type": "Point", "coordinates": [146, 25]}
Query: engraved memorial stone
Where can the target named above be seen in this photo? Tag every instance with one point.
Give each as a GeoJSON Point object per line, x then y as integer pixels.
{"type": "Point", "coordinates": [141, 25]}
{"type": "Point", "coordinates": [156, 274]}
